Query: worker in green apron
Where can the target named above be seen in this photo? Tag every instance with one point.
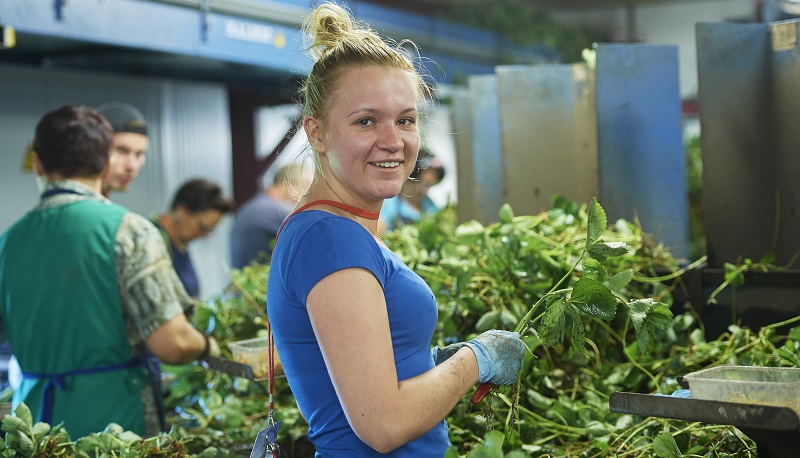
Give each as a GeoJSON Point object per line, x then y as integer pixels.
{"type": "Point", "coordinates": [86, 287]}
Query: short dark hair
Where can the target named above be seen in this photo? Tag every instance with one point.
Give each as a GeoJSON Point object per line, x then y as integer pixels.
{"type": "Point", "coordinates": [199, 194]}
{"type": "Point", "coordinates": [427, 161]}
{"type": "Point", "coordinates": [74, 140]}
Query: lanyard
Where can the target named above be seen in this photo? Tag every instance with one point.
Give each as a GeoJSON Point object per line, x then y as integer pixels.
{"type": "Point", "coordinates": [55, 192]}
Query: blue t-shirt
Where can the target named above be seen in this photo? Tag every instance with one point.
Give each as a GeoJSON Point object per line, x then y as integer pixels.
{"type": "Point", "coordinates": [254, 229]}
{"type": "Point", "coordinates": [312, 245]}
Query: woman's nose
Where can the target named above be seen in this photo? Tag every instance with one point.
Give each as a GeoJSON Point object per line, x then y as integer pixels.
{"type": "Point", "coordinates": [390, 137]}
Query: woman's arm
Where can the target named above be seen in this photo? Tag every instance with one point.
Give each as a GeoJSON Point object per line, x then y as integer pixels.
{"type": "Point", "coordinates": [348, 312]}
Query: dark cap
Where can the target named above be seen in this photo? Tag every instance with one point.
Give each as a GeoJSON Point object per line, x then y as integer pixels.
{"type": "Point", "coordinates": [124, 117]}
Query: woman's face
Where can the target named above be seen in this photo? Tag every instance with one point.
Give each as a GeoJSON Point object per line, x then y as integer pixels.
{"type": "Point", "coordinates": [370, 139]}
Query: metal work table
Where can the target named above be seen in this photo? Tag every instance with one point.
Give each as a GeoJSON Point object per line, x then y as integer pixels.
{"type": "Point", "coordinates": [775, 430]}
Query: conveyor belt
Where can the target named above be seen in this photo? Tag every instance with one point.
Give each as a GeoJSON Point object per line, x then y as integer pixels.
{"type": "Point", "coordinates": [775, 430]}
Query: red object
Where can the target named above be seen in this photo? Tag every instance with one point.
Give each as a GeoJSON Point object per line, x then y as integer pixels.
{"type": "Point", "coordinates": [481, 392]}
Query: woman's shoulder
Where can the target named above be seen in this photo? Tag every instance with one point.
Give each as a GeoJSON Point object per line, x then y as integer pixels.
{"type": "Point", "coordinates": [320, 228]}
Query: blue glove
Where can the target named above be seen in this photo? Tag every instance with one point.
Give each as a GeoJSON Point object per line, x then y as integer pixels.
{"type": "Point", "coordinates": [440, 355]}
{"type": "Point", "coordinates": [499, 355]}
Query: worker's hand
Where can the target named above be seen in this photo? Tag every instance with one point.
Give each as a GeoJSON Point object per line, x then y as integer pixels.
{"type": "Point", "coordinates": [440, 355]}
{"type": "Point", "coordinates": [213, 347]}
{"type": "Point", "coordinates": [499, 355]}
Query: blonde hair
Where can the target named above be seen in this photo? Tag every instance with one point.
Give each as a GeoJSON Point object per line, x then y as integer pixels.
{"type": "Point", "coordinates": [337, 42]}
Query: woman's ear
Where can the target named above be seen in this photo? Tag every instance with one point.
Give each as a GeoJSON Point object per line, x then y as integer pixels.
{"type": "Point", "coordinates": [313, 128]}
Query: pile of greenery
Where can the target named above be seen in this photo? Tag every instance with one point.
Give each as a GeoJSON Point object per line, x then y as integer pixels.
{"type": "Point", "coordinates": [594, 304]}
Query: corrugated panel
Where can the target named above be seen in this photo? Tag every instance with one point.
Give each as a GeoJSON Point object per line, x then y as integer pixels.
{"type": "Point", "coordinates": [197, 144]}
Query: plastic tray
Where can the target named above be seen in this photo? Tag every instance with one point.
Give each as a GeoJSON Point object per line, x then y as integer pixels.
{"type": "Point", "coordinates": [254, 353]}
{"type": "Point", "coordinates": [771, 386]}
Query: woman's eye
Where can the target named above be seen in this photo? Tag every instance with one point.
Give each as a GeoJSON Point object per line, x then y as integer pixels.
{"type": "Point", "coordinates": [365, 122]}
{"type": "Point", "coordinates": [406, 121]}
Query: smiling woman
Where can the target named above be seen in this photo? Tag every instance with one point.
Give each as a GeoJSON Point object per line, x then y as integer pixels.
{"type": "Point", "coordinates": [352, 323]}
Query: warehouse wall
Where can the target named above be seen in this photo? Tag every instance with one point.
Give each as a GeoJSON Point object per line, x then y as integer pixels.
{"type": "Point", "coordinates": [189, 137]}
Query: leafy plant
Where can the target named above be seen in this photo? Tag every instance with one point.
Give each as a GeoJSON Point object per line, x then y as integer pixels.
{"type": "Point", "coordinates": [593, 303]}
{"type": "Point", "coordinates": [531, 266]}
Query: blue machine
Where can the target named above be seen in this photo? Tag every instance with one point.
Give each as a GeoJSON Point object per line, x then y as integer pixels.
{"type": "Point", "coordinates": [229, 40]}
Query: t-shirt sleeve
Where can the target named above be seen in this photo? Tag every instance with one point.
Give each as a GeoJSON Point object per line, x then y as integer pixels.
{"type": "Point", "coordinates": [150, 290]}
{"type": "Point", "coordinates": [330, 245]}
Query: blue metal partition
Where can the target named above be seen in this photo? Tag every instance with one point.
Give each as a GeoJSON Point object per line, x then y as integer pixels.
{"type": "Point", "coordinates": [640, 146]}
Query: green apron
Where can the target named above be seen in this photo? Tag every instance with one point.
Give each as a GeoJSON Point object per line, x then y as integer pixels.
{"type": "Point", "coordinates": [60, 302]}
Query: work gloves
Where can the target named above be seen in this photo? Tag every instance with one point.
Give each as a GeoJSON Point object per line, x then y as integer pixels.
{"type": "Point", "coordinates": [499, 355]}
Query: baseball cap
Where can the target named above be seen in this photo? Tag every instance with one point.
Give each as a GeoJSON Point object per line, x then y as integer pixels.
{"type": "Point", "coordinates": [124, 117]}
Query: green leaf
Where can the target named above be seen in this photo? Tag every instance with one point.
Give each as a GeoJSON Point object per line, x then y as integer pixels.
{"type": "Point", "coordinates": [619, 280]}
{"type": "Point", "coordinates": [25, 444]}
{"type": "Point", "coordinates": [451, 452]}
{"type": "Point", "coordinates": [646, 315]}
{"type": "Point", "coordinates": [506, 214]}
{"type": "Point", "coordinates": [470, 233]}
{"type": "Point", "coordinates": [24, 413]}
{"type": "Point", "coordinates": [665, 446]}
{"type": "Point", "coordinates": [15, 425]}
{"type": "Point", "coordinates": [593, 269]}
{"type": "Point", "coordinates": [578, 334]}
{"type": "Point", "coordinates": [517, 454]}
{"type": "Point", "coordinates": [733, 275]}
{"type": "Point", "coordinates": [597, 428]}
{"type": "Point", "coordinates": [487, 321]}
{"type": "Point", "coordinates": [602, 250]}
{"type": "Point", "coordinates": [594, 299]}
{"type": "Point", "coordinates": [40, 429]}
{"type": "Point", "coordinates": [114, 429]}
{"type": "Point", "coordinates": [597, 222]}
{"type": "Point", "coordinates": [492, 446]}
{"type": "Point", "coordinates": [129, 437]}
{"type": "Point", "coordinates": [553, 325]}
{"type": "Point", "coordinates": [210, 452]}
